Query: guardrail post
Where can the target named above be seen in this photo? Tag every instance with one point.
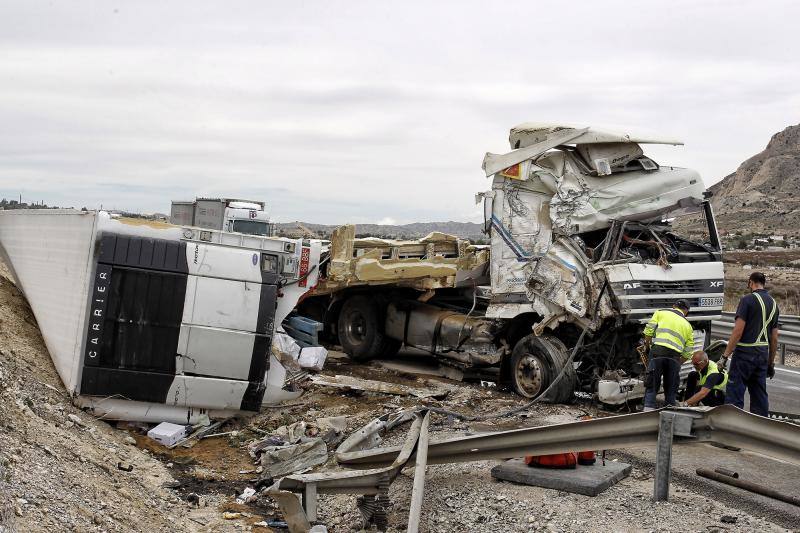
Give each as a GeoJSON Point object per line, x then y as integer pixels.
{"type": "Point", "coordinates": [783, 354]}
{"type": "Point", "coordinates": [310, 501]}
{"type": "Point", "coordinates": [663, 457]}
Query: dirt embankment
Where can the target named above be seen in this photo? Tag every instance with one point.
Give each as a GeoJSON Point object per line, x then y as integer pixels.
{"type": "Point", "coordinates": [782, 269]}
{"type": "Point", "coordinates": [59, 466]}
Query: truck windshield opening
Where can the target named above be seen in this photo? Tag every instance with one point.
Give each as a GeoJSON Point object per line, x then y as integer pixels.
{"type": "Point", "coordinates": [251, 227]}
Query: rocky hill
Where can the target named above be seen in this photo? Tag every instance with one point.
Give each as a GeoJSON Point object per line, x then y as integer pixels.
{"type": "Point", "coordinates": [763, 195]}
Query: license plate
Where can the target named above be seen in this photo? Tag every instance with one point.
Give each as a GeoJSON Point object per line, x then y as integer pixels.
{"type": "Point", "coordinates": [711, 302]}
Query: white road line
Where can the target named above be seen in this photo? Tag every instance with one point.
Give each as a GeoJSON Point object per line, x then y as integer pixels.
{"type": "Point", "coordinates": [787, 371]}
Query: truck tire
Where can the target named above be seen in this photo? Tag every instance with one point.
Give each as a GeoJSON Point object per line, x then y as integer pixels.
{"type": "Point", "coordinates": [360, 330]}
{"type": "Point", "coordinates": [535, 363]}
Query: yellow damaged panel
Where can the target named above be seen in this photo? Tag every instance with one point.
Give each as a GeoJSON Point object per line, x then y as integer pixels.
{"type": "Point", "coordinates": [428, 263]}
{"type": "Point", "coordinates": [371, 269]}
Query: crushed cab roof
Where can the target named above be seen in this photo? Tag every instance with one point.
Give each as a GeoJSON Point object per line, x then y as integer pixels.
{"type": "Point", "coordinates": [529, 133]}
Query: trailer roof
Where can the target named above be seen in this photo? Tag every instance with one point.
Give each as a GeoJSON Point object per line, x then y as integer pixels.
{"type": "Point", "coordinates": [529, 133]}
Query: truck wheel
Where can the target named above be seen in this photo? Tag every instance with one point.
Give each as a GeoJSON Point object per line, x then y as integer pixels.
{"type": "Point", "coordinates": [360, 329]}
{"type": "Point", "coordinates": [535, 363]}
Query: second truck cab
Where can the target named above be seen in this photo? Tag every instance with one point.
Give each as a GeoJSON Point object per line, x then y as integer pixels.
{"type": "Point", "coordinates": [223, 214]}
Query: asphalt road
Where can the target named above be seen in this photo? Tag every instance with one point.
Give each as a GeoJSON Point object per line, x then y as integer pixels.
{"type": "Point", "coordinates": [778, 475]}
{"type": "Point", "coordinates": [784, 390]}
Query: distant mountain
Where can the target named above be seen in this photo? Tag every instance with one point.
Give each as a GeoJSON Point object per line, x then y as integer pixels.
{"type": "Point", "coordinates": [763, 195]}
{"type": "Point", "coordinates": [415, 230]}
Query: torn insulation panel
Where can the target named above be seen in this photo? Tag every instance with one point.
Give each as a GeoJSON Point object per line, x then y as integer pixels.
{"type": "Point", "coordinates": [435, 261]}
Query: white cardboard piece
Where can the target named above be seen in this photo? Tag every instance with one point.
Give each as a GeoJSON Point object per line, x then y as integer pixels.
{"type": "Point", "coordinates": [313, 357]}
{"type": "Point", "coordinates": [167, 433]}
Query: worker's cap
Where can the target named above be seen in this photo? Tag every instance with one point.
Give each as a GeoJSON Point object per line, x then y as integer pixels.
{"type": "Point", "coordinates": [682, 304]}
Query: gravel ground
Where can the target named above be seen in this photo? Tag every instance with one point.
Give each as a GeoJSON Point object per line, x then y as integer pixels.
{"type": "Point", "coordinates": [792, 359]}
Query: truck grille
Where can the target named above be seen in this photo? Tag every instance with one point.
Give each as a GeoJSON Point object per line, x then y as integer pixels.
{"type": "Point", "coordinates": [673, 287]}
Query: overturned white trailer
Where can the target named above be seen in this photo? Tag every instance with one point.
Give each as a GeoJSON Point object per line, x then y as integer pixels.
{"type": "Point", "coordinates": [149, 321]}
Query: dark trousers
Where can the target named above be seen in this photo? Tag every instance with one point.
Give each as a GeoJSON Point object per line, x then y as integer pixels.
{"type": "Point", "coordinates": [660, 367]}
{"type": "Point", "coordinates": [749, 371]}
{"type": "Point", "coordinates": [714, 398]}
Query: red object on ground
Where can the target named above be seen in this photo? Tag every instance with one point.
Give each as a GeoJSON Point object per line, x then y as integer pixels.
{"type": "Point", "coordinates": [586, 458]}
{"type": "Point", "coordinates": [556, 460]}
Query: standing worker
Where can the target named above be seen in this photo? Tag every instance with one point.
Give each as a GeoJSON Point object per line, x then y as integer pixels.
{"type": "Point", "coordinates": [753, 343]}
{"type": "Point", "coordinates": [672, 340]}
{"type": "Point", "coordinates": [706, 383]}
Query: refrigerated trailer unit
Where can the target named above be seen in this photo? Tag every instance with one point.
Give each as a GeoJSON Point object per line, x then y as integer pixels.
{"type": "Point", "coordinates": [156, 322]}
{"type": "Point", "coordinates": [586, 234]}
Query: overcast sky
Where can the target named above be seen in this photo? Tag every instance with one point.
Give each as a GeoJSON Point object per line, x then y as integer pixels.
{"type": "Point", "coordinates": [367, 111]}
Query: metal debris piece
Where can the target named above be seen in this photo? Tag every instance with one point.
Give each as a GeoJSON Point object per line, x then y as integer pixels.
{"type": "Point", "coordinates": [199, 433]}
{"type": "Point", "coordinates": [748, 485]}
{"type": "Point", "coordinates": [369, 436]}
{"type": "Point", "coordinates": [368, 385]}
{"type": "Point", "coordinates": [295, 458]}
{"type": "Point", "coordinates": [292, 511]}
{"type": "Point", "coordinates": [418, 489]}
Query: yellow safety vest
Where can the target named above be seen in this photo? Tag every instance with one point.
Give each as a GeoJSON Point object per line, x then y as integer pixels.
{"type": "Point", "coordinates": [763, 337]}
{"type": "Point", "coordinates": [669, 328]}
{"type": "Point", "coordinates": [714, 369]}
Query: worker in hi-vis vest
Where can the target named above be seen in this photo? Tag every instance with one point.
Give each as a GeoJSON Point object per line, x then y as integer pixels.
{"type": "Point", "coordinates": [706, 383]}
{"type": "Point", "coordinates": [753, 343]}
{"type": "Point", "coordinates": [671, 340]}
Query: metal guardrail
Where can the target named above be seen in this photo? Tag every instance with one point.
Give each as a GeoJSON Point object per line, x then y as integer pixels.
{"type": "Point", "coordinates": [788, 336]}
{"type": "Point", "coordinates": [725, 425]}
{"type": "Point", "coordinates": [375, 468]}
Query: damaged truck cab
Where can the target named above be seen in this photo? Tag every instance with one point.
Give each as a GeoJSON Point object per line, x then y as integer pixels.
{"type": "Point", "coordinates": [588, 237]}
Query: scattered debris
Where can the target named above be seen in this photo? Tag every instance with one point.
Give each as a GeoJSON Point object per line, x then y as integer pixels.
{"type": "Point", "coordinates": [728, 519]}
{"type": "Point", "coordinates": [124, 467]}
{"type": "Point", "coordinates": [295, 458]}
{"type": "Point", "coordinates": [224, 433]}
{"type": "Point", "coordinates": [231, 516]}
{"type": "Point", "coordinates": [373, 483]}
{"type": "Point", "coordinates": [246, 496]}
{"type": "Point", "coordinates": [294, 356]}
{"type": "Point", "coordinates": [368, 385]}
{"type": "Point", "coordinates": [202, 428]}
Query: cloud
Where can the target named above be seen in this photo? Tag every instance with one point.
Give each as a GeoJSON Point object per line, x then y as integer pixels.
{"type": "Point", "coordinates": [354, 112]}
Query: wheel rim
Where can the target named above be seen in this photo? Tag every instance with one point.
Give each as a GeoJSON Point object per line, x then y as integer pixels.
{"type": "Point", "coordinates": [356, 327]}
{"type": "Point", "coordinates": [530, 375]}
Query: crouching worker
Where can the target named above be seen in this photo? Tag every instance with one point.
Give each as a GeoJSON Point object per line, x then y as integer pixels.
{"type": "Point", "coordinates": [706, 383]}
